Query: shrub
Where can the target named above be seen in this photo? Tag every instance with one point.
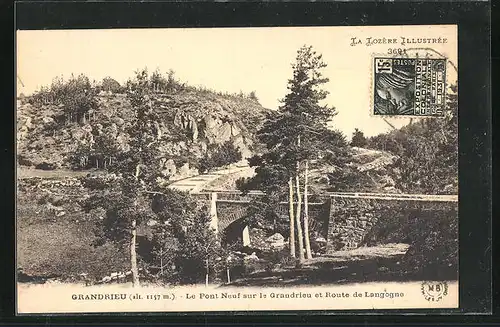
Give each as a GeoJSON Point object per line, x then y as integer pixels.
{"type": "Point", "coordinates": [253, 96]}
{"type": "Point", "coordinates": [199, 253]}
{"type": "Point", "coordinates": [358, 138]}
{"type": "Point", "coordinates": [433, 253]}
{"type": "Point", "coordinates": [111, 85]}
{"type": "Point", "coordinates": [222, 155]}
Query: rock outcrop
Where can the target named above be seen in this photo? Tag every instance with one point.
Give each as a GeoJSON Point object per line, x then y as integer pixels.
{"type": "Point", "coordinates": [189, 122]}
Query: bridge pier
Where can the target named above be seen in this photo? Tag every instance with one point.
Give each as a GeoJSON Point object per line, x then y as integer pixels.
{"type": "Point", "coordinates": [214, 220]}
{"type": "Point", "coordinates": [246, 236]}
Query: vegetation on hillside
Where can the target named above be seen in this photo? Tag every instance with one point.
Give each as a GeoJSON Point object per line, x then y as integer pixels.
{"type": "Point", "coordinates": [358, 138]}
{"type": "Point", "coordinates": [219, 156]}
{"type": "Point", "coordinates": [427, 150]}
{"type": "Point", "coordinates": [72, 124]}
{"type": "Point", "coordinates": [77, 97]}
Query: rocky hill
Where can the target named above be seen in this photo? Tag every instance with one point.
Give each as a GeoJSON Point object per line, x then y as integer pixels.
{"type": "Point", "coordinates": [189, 123]}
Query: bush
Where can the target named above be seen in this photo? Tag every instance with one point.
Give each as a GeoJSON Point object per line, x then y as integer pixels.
{"type": "Point", "coordinates": [221, 156]}
{"type": "Point", "coordinates": [199, 253]}
{"type": "Point", "coordinates": [358, 139]}
{"type": "Point", "coordinates": [433, 253]}
{"type": "Point", "coordinates": [279, 259]}
{"type": "Point", "coordinates": [253, 96]}
{"type": "Point", "coordinates": [110, 85]}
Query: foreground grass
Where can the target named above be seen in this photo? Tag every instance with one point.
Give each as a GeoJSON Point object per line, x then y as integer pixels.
{"type": "Point", "coordinates": [383, 263]}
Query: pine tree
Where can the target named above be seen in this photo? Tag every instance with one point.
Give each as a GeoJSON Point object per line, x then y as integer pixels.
{"type": "Point", "coordinates": [295, 134]}
{"type": "Point", "coordinates": [303, 101]}
{"type": "Point", "coordinates": [127, 199]}
{"type": "Point", "coordinates": [358, 138]}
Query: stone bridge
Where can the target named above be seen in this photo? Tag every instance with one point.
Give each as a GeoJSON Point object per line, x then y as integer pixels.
{"type": "Point", "coordinates": [343, 219]}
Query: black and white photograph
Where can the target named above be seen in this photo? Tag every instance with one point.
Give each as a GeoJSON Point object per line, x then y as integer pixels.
{"type": "Point", "coordinates": [237, 169]}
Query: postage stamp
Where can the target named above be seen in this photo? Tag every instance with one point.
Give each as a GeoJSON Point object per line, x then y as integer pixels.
{"type": "Point", "coordinates": [409, 87]}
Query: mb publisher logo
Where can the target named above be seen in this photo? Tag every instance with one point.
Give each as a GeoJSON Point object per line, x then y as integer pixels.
{"type": "Point", "coordinates": [434, 291]}
{"type": "Point", "coordinates": [383, 66]}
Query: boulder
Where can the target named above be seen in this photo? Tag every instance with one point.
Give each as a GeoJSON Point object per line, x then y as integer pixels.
{"type": "Point", "coordinates": [48, 120]}
{"type": "Point", "coordinates": [277, 237]}
{"type": "Point", "coordinates": [57, 200]}
{"type": "Point", "coordinates": [224, 133]}
{"type": "Point", "coordinates": [152, 222]}
{"type": "Point", "coordinates": [210, 122]}
{"type": "Point", "coordinates": [321, 240]}
{"type": "Point", "coordinates": [60, 214]}
{"type": "Point", "coordinates": [235, 130]}
{"type": "Point", "coordinates": [185, 171]}
{"type": "Point", "coordinates": [276, 241]}
{"type": "Point", "coordinates": [251, 257]}
{"type": "Point", "coordinates": [169, 168]}
{"type": "Point", "coordinates": [28, 123]}
{"type": "Point", "coordinates": [118, 121]}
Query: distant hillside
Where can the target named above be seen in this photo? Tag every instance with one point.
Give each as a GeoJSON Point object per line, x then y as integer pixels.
{"type": "Point", "coordinates": [366, 170]}
{"type": "Point", "coordinates": [190, 122]}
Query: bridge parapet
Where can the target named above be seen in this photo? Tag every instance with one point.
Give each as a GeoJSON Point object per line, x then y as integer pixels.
{"type": "Point", "coordinates": [342, 218]}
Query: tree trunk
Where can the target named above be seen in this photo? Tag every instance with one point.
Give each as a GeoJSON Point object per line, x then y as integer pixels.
{"type": "Point", "coordinates": [206, 273]}
{"type": "Point", "coordinates": [306, 214]}
{"type": "Point", "coordinates": [133, 253]}
{"type": "Point", "coordinates": [298, 215]}
{"type": "Point", "coordinates": [161, 261]}
{"type": "Point", "coordinates": [291, 240]}
{"type": "Point", "coordinates": [133, 256]}
{"type": "Point", "coordinates": [137, 171]}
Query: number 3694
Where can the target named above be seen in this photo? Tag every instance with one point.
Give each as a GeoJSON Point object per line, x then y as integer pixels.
{"type": "Point", "coordinates": [397, 51]}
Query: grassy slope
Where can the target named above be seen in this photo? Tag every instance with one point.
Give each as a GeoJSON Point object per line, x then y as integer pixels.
{"type": "Point", "coordinates": [48, 245]}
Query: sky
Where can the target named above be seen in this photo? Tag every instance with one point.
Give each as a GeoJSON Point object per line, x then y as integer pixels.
{"type": "Point", "coordinates": [226, 59]}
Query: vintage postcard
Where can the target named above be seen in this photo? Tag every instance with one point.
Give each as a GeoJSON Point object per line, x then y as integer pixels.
{"type": "Point", "coordinates": [237, 169]}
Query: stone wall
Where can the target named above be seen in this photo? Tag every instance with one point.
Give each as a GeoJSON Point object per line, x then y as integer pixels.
{"type": "Point", "coordinates": [348, 221]}
{"type": "Point", "coordinates": [353, 220]}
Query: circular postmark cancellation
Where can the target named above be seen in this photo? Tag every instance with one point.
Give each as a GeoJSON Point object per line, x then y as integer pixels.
{"type": "Point", "coordinates": [434, 291]}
